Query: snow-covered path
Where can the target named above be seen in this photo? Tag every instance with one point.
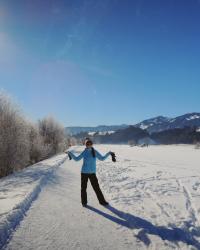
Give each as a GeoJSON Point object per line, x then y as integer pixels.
{"type": "Point", "coordinates": [57, 220]}
{"type": "Point", "coordinates": [155, 204]}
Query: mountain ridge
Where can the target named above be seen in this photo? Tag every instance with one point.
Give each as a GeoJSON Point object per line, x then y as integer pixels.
{"type": "Point", "coordinates": [166, 123]}
{"type": "Point", "coordinates": [152, 125]}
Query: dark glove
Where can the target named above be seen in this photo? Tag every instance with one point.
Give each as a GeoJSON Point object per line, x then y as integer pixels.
{"type": "Point", "coordinates": [68, 155]}
{"type": "Point", "coordinates": [113, 156]}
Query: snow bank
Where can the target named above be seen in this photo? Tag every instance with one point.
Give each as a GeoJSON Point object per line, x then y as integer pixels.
{"type": "Point", "coordinates": [17, 191]}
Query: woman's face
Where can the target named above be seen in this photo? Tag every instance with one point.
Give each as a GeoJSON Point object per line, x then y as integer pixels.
{"type": "Point", "coordinates": [88, 144]}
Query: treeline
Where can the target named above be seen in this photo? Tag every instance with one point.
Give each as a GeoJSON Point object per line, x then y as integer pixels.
{"type": "Point", "coordinates": [23, 142]}
{"type": "Point", "coordinates": [121, 136]}
{"type": "Point", "coordinates": [185, 135]}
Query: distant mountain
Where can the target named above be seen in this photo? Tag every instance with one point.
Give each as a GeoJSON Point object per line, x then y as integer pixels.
{"type": "Point", "coordinates": [152, 122]}
{"type": "Point", "coordinates": [101, 128]}
{"type": "Point", "coordinates": [162, 123]}
{"type": "Point", "coordinates": [133, 135]}
{"type": "Point", "coordinates": [187, 120]}
{"type": "Point", "coordinates": [181, 129]}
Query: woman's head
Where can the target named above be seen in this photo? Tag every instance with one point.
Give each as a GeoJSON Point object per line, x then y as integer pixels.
{"type": "Point", "coordinates": [88, 143]}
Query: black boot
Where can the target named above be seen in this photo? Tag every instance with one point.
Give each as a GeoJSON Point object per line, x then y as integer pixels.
{"type": "Point", "coordinates": [105, 203]}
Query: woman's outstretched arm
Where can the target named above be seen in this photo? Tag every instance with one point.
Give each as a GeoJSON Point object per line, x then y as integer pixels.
{"type": "Point", "coordinates": [101, 157]}
{"type": "Point", "coordinates": [76, 158]}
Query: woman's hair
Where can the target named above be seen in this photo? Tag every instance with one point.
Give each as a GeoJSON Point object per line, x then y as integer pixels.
{"type": "Point", "coordinates": [93, 152]}
{"type": "Point", "coordinates": [91, 143]}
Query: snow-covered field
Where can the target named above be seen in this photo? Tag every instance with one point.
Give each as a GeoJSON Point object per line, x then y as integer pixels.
{"type": "Point", "coordinates": [154, 196]}
{"type": "Point", "coordinates": [158, 190]}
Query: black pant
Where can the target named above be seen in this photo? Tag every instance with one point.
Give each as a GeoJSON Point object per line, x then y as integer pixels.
{"type": "Point", "coordinates": [95, 185]}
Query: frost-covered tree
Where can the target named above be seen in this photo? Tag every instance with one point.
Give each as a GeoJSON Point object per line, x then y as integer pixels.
{"type": "Point", "coordinates": [38, 150]}
{"type": "Point", "coordinates": [14, 144]}
{"type": "Point", "coordinates": [22, 142]}
{"type": "Point", "coordinates": [53, 134]}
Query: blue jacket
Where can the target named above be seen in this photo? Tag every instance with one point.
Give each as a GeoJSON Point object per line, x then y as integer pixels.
{"type": "Point", "coordinates": [89, 162]}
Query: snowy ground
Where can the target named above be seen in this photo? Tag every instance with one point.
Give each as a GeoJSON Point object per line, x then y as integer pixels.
{"type": "Point", "coordinates": [154, 196]}
{"type": "Point", "coordinates": [158, 189]}
{"type": "Point", "coordinates": [19, 190]}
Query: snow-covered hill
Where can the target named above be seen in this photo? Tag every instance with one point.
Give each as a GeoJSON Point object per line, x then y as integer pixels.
{"type": "Point", "coordinates": [161, 123]}
{"type": "Point", "coordinates": [156, 124]}
{"type": "Point", "coordinates": [101, 133]}
{"type": "Point", "coordinates": [150, 123]}
{"type": "Point", "coordinates": [100, 128]}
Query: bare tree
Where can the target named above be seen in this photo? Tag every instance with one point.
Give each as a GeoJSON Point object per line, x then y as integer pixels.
{"type": "Point", "coordinates": [53, 134]}
{"type": "Point", "coordinates": [22, 142]}
{"type": "Point", "coordinates": [38, 151]}
{"type": "Point", "coordinates": [14, 144]}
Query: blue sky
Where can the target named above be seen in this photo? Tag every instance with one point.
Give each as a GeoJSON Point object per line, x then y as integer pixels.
{"type": "Point", "coordinates": [91, 62]}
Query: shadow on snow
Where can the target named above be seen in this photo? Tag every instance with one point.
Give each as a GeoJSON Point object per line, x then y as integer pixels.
{"type": "Point", "coordinates": [133, 222]}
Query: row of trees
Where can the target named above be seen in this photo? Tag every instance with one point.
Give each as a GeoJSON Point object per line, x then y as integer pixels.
{"type": "Point", "coordinates": [185, 135]}
{"type": "Point", "coordinates": [23, 142]}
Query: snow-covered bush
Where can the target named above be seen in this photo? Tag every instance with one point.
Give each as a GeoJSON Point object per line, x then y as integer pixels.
{"type": "Point", "coordinates": [38, 151]}
{"type": "Point", "coordinates": [14, 143]}
{"type": "Point", "coordinates": [23, 143]}
{"type": "Point", "coordinates": [53, 135]}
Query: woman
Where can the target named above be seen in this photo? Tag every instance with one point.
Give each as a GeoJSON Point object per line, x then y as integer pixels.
{"type": "Point", "coordinates": [88, 171]}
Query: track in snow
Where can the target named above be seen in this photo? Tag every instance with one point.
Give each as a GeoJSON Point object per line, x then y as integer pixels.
{"type": "Point", "coordinates": [57, 220]}
{"type": "Point", "coordinates": [149, 201]}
